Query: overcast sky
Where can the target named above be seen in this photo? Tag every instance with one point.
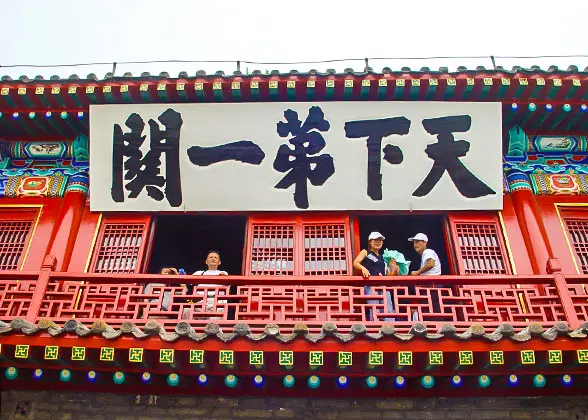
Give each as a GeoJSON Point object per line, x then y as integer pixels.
{"type": "Point", "coordinates": [65, 32]}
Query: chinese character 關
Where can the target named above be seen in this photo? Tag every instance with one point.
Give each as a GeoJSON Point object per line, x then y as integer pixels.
{"type": "Point", "coordinates": [143, 172]}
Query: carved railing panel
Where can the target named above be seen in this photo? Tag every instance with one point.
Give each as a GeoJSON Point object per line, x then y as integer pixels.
{"type": "Point", "coordinates": [116, 303]}
{"type": "Point", "coordinates": [15, 297]}
{"type": "Point", "coordinates": [578, 290]}
{"type": "Point", "coordinates": [290, 300]}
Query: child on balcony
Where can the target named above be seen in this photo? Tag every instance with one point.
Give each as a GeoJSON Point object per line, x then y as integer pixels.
{"type": "Point", "coordinates": [371, 263]}
{"type": "Point", "coordinates": [149, 288]}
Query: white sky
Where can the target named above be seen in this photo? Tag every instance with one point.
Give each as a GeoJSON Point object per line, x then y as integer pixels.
{"type": "Point", "coordinates": [64, 32]}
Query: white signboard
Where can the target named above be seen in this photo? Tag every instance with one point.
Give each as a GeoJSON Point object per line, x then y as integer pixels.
{"type": "Point", "coordinates": [296, 156]}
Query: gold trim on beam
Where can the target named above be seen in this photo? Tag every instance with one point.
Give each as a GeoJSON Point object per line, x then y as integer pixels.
{"type": "Point", "coordinates": [507, 243]}
{"type": "Point", "coordinates": [564, 229]}
{"type": "Point", "coordinates": [89, 259]}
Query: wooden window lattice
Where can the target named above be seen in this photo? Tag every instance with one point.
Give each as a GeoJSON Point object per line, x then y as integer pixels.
{"type": "Point", "coordinates": [325, 249]}
{"type": "Point", "coordinates": [14, 237]}
{"type": "Point", "coordinates": [272, 250]}
{"type": "Point", "coordinates": [578, 235]}
{"type": "Point", "coordinates": [298, 246]}
{"type": "Point", "coordinates": [120, 248]}
{"type": "Point", "coordinates": [480, 248]}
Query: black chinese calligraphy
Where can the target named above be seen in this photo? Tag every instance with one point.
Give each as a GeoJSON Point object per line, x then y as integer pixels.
{"type": "Point", "coordinates": [446, 153]}
{"type": "Point", "coordinates": [244, 151]}
{"type": "Point", "coordinates": [143, 172]}
{"type": "Point", "coordinates": [375, 131]}
{"type": "Point", "coordinates": [300, 163]}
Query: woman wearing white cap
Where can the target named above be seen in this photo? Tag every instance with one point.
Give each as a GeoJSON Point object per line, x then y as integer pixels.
{"type": "Point", "coordinates": [371, 263]}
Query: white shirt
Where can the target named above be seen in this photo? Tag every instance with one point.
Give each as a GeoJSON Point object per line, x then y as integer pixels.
{"type": "Point", "coordinates": [210, 273]}
{"type": "Point", "coordinates": [429, 254]}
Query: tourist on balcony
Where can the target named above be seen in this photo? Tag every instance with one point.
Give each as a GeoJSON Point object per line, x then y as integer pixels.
{"type": "Point", "coordinates": [371, 263]}
{"type": "Point", "coordinates": [213, 262]}
{"type": "Point", "coordinates": [149, 289]}
{"type": "Point", "coordinates": [430, 264]}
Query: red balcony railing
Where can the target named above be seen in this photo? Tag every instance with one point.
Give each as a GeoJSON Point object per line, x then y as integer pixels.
{"type": "Point", "coordinates": [290, 300]}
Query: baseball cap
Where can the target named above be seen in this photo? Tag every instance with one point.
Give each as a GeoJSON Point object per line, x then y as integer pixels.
{"type": "Point", "coordinates": [419, 237]}
{"type": "Point", "coordinates": [375, 235]}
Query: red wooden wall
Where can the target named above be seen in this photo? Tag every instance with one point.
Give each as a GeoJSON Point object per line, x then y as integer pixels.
{"type": "Point", "coordinates": [552, 208]}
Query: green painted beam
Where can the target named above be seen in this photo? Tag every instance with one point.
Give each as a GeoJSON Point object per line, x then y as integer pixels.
{"type": "Point", "coordinates": [56, 94]}
{"type": "Point", "coordinates": [72, 91]}
{"type": "Point", "coordinates": [254, 90]}
{"type": "Point", "coordinates": [415, 87]}
{"type": "Point", "coordinates": [433, 84]}
{"type": "Point", "coordinates": [348, 89]}
{"type": "Point", "coordinates": [91, 94]}
{"type": "Point", "coordinates": [291, 90]}
{"type": "Point", "coordinates": [556, 85]}
{"type": "Point", "coordinates": [382, 88]}
{"type": "Point", "coordinates": [144, 90]}
{"type": "Point", "coordinates": [504, 87]}
{"type": "Point", "coordinates": [329, 88]}
{"type": "Point", "coordinates": [162, 92]}
{"type": "Point", "coordinates": [310, 87]}
{"type": "Point", "coordinates": [450, 88]}
{"type": "Point", "coordinates": [181, 91]}
{"type": "Point", "coordinates": [200, 94]}
{"type": "Point", "coordinates": [107, 92]}
{"type": "Point", "coordinates": [5, 96]}
{"type": "Point", "coordinates": [273, 90]}
{"type": "Point", "coordinates": [125, 93]}
{"type": "Point", "coordinates": [399, 88]}
{"type": "Point", "coordinates": [236, 91]}
{"type": "Point", "coordinates": [365, 89]}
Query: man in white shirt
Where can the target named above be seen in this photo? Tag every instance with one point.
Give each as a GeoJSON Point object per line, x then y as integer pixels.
{"type": "Point", "coordinates": [430, 264]}
{"type": "Point", "coordinates": [213, 262]}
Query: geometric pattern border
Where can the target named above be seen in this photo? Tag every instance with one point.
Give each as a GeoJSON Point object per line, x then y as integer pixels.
{"type": "Point", "coordinates": [51, 352]}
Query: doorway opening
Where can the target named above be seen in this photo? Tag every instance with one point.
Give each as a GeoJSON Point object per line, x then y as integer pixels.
{"type": "Point", "coordinates": [398, 228]}
{"type": "Point", "coordinates": [184, 242]}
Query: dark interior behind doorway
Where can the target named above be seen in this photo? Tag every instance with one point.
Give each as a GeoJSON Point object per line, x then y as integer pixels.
{"type": "Point", "coordinates": [184, 241]}
{"type": "Point", "coordinates": [398, 228]}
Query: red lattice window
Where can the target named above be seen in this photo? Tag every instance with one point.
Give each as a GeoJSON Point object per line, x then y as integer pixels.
{"type": "Point", "coordinates": [301, 245]}
{"type": "Point", "coordinates": [15, 234]}
{"type": "Point", "coordinates": [577, 229]}
{"type": "Point", "coordinates": [325, 249]}
{"type": "Point", "coordinates": [272, 249]}
{"type": "Point", "coordinates": [479, 245]}
{"type": "Point", "coordinates": [120, 247]}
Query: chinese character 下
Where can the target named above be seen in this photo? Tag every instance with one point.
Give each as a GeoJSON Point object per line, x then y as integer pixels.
{"type": "Point", "coordinates": [375, 131]}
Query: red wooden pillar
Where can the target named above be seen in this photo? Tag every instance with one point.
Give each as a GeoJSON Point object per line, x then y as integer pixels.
{"type": "Point", "coordinates": [70, 217]}
{"type": "Point", "coordinates": [530, 221]}
{"type": "Point", "coordinates": [41, 287]}
{"type": "Point", "coordinates": [554, 267]}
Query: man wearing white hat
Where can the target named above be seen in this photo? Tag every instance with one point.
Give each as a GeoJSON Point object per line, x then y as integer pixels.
{"type": "Point", "coordinates": [430, 264]}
